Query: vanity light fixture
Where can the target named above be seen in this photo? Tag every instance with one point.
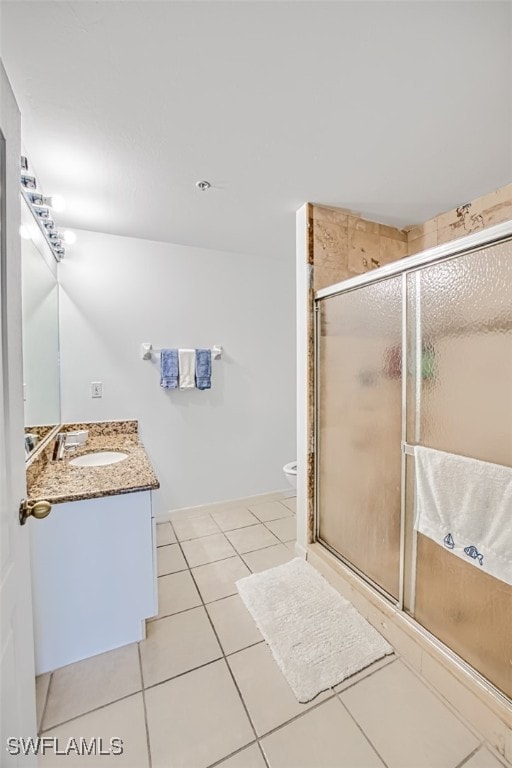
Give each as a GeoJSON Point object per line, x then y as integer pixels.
{"type": "Point", "coordinates": [56, 202]}
{"type": "Point", "coordinates": [29, 182]}
{"type": "Point", "coordinates": [37, 199]}
{"type": "Point", "coordinates": [42, 211]}
{"type": "Point", "coordinates": [40, 208]}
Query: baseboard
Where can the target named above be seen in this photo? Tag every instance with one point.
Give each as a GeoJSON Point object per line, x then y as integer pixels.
{"type": "Point", "coordinates": [229, 503]}
{"type": "Point", "coordinates": [300, 551]}
{"type": "Point", "coordinates": [485, 710]}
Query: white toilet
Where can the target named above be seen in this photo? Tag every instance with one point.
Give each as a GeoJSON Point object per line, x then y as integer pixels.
{"type": "Point", "coordinates": [290, 472]}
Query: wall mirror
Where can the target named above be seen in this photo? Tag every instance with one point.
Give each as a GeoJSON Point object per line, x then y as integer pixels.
{"type": "Point", "coordinates": [40, 306]}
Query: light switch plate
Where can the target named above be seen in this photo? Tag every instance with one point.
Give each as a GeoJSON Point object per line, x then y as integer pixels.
{"type": "Point", "coordinates": [96, 389]}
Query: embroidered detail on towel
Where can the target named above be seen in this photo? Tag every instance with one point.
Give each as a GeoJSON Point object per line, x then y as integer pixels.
{"type": "Point", "coordinates": [473, 552]}
{"type": "Point", "coordinates": [448, 541]}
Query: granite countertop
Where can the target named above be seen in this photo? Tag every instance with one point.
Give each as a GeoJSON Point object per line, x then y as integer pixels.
{"type": "Point", "coordinates": [59, 481]}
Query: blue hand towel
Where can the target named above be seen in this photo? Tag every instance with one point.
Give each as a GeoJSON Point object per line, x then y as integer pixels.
{"type": "Point", "coordinates": [169, 368]}
{"type": "Point", "coordinates": [203, 368]}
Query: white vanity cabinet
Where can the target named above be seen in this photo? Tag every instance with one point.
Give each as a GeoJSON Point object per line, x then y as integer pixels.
{"type": "Point", "coordinates": [93, 577]}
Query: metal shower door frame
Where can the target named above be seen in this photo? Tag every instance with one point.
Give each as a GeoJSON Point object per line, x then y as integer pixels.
{"type": "Point", "coordinates": [404, 267]}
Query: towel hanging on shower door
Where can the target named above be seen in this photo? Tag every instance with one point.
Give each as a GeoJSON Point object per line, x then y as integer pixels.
{"type": "Point", "coordinates": [465, 506]}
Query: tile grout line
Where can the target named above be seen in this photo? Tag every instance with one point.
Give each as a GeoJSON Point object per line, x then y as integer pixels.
{"type": "Point", "coordinates": [237, 553]}
{"type": "Point", "coordinates": [224, 656]}
{"type": "Point", "coordinates": [262, 753]}
{"type": "Point", "coordinates": [392, 659]}
{"type": "Point", "coordinates": [468, 757]}
{"type": "Point", "coordinates": [181, 674]}
{"type": "Point", "coordinates": [171, 573]}
{"type": "Point", "coordinates": [201, 536]}
{"type": "Point", "coordinates": [43, 713]}
{"type": "Point", "coordinates": [185, 610]}
{"type": "Point", "coordinates": [153, 685]}
{"type": "Point", "coordinates": [333, 694]}
{"type": "Point", "coordinates": [224, 507]}
{"type": "Point", "coordinates": [279, 727]}
{"type": "Point", "coordinates": [185, 672]}
{"type": "Point", "coordinates": [262, 549]}
{"type": "Point", "coordinates": [247, 528]}
{"type": "Point", "coordinates": [209, 562]}
{"type": "Point", "coordinates": [329, 697]}
{"type": "Point", "coordinates": [152, 619]}
{"type": "Point", "coordinates": [90, 711]}
{"type": "Point", "coordinates": [114, 701]}
{"type": "Point", "coordinates": [255, 500]}
{"type": "Point", "coordinates": [144, 706]}
{"type": "Point", "coordinates": [230, 672]}
{"type": "Point", "coordinates": [365, 736]}
{"type": "Point", "coordinates": [232, 754]}
{"type": "Point", "coordinates": [163, 545]}
{"type": "Point", "coordinates": [439, 696]}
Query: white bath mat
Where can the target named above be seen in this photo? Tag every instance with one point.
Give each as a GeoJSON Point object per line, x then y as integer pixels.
{"type": "Point", "coordinates": [316, 636]}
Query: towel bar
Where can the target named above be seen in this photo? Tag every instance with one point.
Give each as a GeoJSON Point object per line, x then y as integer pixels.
{"type": "Point", "coordinates": [147, 350]}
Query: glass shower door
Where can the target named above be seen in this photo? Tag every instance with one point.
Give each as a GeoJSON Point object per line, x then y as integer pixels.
{"type": "Point", "coordinates": [359, 402]}
{"type": "Point", "coordinates": [460, 402]}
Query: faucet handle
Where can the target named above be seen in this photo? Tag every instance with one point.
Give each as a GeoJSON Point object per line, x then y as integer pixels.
{"type": "Point", "coordinates": [74, 439]}
{"type": "Point", "coordinates": [68, 440]}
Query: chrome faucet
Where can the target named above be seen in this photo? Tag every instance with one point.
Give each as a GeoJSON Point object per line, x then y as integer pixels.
{"type": "Point", "coordinates": [68, 441]}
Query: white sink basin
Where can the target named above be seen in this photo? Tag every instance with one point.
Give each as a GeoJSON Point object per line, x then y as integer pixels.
{"type": "Point", "coordinates": [98, 459]}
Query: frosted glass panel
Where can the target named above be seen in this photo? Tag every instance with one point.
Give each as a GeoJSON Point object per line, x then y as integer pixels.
{"type": "Point", "coordinates": [462, 400]}
{"type": "Point", "coordinates": [466, 331]}
{"type": "Point", "coordinates": [359, 429]}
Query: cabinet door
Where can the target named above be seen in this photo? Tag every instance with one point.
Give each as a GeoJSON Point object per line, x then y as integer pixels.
{"type": "Point", "coordinates": [93, 577]}
{"type": "Point", "coordinates": [18, 699]}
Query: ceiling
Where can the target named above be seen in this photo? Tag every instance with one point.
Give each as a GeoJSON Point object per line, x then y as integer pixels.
{"type": "Point", "coordinates": [398, 110]}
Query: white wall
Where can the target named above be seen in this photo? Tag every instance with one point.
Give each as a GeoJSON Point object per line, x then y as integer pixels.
{"type": "Point", "coordinates": [229, 442]}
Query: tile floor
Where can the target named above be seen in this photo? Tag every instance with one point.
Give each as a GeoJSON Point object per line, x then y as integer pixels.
{"type": "Point", "coordinates": [203, 689]}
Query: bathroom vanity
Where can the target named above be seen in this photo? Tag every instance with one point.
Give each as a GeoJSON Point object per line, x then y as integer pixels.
{"type": "Point", "coordinates": [94, 556]}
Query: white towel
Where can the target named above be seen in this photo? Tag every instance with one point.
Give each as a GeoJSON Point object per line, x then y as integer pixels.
{"type": "Point", "coordinates": [187, 360]}
{"type": "Point", "coordinates": [465, 506]}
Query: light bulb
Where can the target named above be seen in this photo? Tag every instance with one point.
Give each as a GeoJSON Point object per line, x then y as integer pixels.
{"type": "Point", "coordinates": [24, 232]}
{"type": "Point", "coordinates": [57, 202]}
{"type": "Point", "coordinates": [69, 237]}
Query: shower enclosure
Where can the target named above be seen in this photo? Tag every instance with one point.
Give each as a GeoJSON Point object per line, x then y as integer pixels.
{"type": "Point", "coordinates": [417, 353]}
